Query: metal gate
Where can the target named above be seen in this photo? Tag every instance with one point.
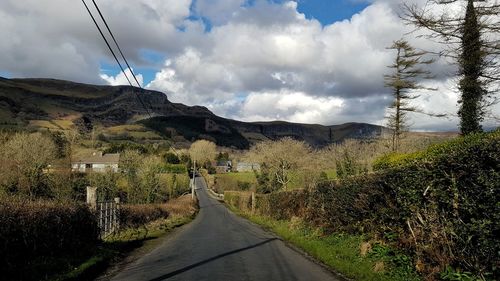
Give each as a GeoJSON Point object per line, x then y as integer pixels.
{"type": "Point", "coordinates": [108, 217]}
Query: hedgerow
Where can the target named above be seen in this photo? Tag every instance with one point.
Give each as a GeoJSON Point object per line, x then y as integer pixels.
{"type": "Point", "coordinates": [441, 206]}
{"type": "Point", "coordinates": [30, 230]}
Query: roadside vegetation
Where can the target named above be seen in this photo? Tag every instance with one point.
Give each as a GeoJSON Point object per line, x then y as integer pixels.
{"type": "Point", "coordinates": [43, 214]}
{"type": "Point", "coordinates": [61, 239]}
{"type": "Point", "coordinates": [140, 234]}
{"type": "Point", "coordinates": [430, 213]}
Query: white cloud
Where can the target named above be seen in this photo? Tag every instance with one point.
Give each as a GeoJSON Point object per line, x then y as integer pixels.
{"type": "Point", "coordinates": [121, 79]}
{"type": "Point", "coordinates": [292, 106]}
{"type": "Point", "coordinates": [57, 39]}
{"type": "Point", "coordinates": [263, 61]}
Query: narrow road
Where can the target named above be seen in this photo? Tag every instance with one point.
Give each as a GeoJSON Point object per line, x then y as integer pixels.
{"type": "Point", "coordinates": [219, 245]}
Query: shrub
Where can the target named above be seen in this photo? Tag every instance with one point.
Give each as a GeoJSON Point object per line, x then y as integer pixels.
{"type": "Point", "coordinates": [174, 184]}
{"type": "Point", "coordinates": [285, 204]}
{"type": "Point", "coordinates": [355, 205]}
{"type": "Point", "coordinates": [174, 168]}
{"type": "Point", "coordinates": [172, 158]}
{"type": "Point", "coordinates": [30, 230]}
{"type": "Point", "coordinates": [238, 199]}
{"type": "Point", "coordinates": [138, 215]}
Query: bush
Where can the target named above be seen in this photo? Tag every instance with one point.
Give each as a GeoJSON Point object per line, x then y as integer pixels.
{"type": "Point", "coordinates": [174, 184]}
{"type": "Point", "coordinates": [31, 231]}
{"type": "Point", "coordinates": [239, 199]}
{"type": "Point", "coordinates": [138, 215]}
{"type": "Point", "coordinates": [174, 168]}
{"type": "Point", "coordinates": [355, 205]}
{"type": "Point", "coordinates": [283, 205]}
{"type": "Point", "coordinates": [172, 158]}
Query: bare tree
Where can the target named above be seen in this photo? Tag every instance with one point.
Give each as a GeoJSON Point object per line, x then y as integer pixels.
{"type": "Point", "coordinates": [281, 158]}
{"type": "Point", "coordinates": [202, 151]}
{"type": "Point", "coordinates": [407, 70]}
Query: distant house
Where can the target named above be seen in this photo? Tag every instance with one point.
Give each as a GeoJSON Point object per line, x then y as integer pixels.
{"type": "Point", "coordinates": [222, 167]}
{"type": "Point", "coordinates": [97, 162]}
{"type": "Point", "coordinates": [247, 167]}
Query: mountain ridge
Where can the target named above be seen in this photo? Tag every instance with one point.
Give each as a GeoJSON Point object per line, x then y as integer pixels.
{"type": "Point", "coordinates": [34, 100]}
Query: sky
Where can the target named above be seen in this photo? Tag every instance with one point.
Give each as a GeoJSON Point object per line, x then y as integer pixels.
{"type": "Point", "coordinates": [307, 61]}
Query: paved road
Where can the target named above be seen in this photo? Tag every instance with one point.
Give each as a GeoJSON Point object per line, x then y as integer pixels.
{"type": "Point", "coordinates": [218, 245]}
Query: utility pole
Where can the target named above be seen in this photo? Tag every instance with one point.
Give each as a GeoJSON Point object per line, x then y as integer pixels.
{"type": "Point", "coordinates": [194, 178]}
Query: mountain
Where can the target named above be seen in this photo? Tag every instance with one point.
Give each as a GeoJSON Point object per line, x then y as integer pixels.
{"type": "Point", "coordinates": [117, 112]}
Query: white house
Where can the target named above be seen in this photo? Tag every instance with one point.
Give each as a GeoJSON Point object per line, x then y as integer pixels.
{"type": "Point", "coordinates": [97, 162]}
{"type": "Point", "coordinates": [247, 167]}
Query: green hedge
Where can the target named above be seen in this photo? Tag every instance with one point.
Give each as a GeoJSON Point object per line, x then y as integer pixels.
{"type": "Point", "coordinates": [35, 232]}
{"type": "Point", "coordinates": [283, 205]}
{"type": "Point", "coordinates": [441, 205]}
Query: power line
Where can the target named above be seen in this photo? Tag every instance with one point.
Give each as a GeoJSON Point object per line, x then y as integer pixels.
{"type": "Point", "coordinates": [106, 40]}
{"type": "Point", "coordinates": [116, 43]}
{"type": "Point", "coordinates": [113, 53]}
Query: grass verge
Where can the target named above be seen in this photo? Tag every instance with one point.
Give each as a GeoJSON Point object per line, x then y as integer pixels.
{"type": "Point", "coordinates": [349, 255]}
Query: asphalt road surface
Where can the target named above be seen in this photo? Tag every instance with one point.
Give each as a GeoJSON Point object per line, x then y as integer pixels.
{"type": "Point", "coordinates": [219, 245]}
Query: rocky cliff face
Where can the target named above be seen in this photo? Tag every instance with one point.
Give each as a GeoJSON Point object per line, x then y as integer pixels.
{"type": "Point", "coordinates": [24, 100]}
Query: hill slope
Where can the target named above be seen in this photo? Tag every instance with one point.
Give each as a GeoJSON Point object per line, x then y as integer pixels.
{"type": "Point", "coordinates": [58, 105]}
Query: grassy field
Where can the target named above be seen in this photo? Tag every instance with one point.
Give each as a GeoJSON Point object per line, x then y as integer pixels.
{"type": "Point", "coordinates": [135, 131]}
{"type": "Point", "coordinates": [348, 255]}
{"type": "Point", "coordinates": [235, 181]}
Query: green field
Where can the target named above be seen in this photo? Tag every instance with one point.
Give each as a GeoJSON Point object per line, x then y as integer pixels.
{"type": "Point", "coordinates": [134, 131]}
{"type": "Point", "coordinates": [235, 181]}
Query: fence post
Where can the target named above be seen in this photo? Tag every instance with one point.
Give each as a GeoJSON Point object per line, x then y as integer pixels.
{"type": "Point", "coordinates": [92, 197]}
{"type": "Point", "coordinates": [117, 214]}
{"type": "Point", "coordinates": [253, 202]}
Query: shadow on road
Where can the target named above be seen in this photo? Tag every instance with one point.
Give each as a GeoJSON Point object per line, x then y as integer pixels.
{"type": "Point", "coordinates": [189, 267]}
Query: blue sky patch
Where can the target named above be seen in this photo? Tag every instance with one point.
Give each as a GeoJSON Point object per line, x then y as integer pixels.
{"type": "Point", "coordinates": [330, 11]}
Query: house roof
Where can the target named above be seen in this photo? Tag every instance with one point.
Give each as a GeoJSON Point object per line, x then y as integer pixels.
{"type": "Point", "coordinates": [111, 158]}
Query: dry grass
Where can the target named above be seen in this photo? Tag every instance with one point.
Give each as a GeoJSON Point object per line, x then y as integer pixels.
{"type": "Point", "coordinates": [181, 206]}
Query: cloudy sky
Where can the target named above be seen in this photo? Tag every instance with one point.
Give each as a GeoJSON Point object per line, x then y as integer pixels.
{"type": "Point", "coordinates": [309, 61]}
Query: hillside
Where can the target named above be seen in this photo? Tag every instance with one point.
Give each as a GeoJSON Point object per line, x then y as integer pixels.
{"type": "Point", "coordinates": [117, 113]}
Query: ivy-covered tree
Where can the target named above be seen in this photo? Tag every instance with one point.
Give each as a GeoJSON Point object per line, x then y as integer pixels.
{"type": "Point", "coordinates": [404, 81]}
{"type": "Point", "coordinates": [469, 38]}
{"type": "Point", "coordinates": [471, 67]}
